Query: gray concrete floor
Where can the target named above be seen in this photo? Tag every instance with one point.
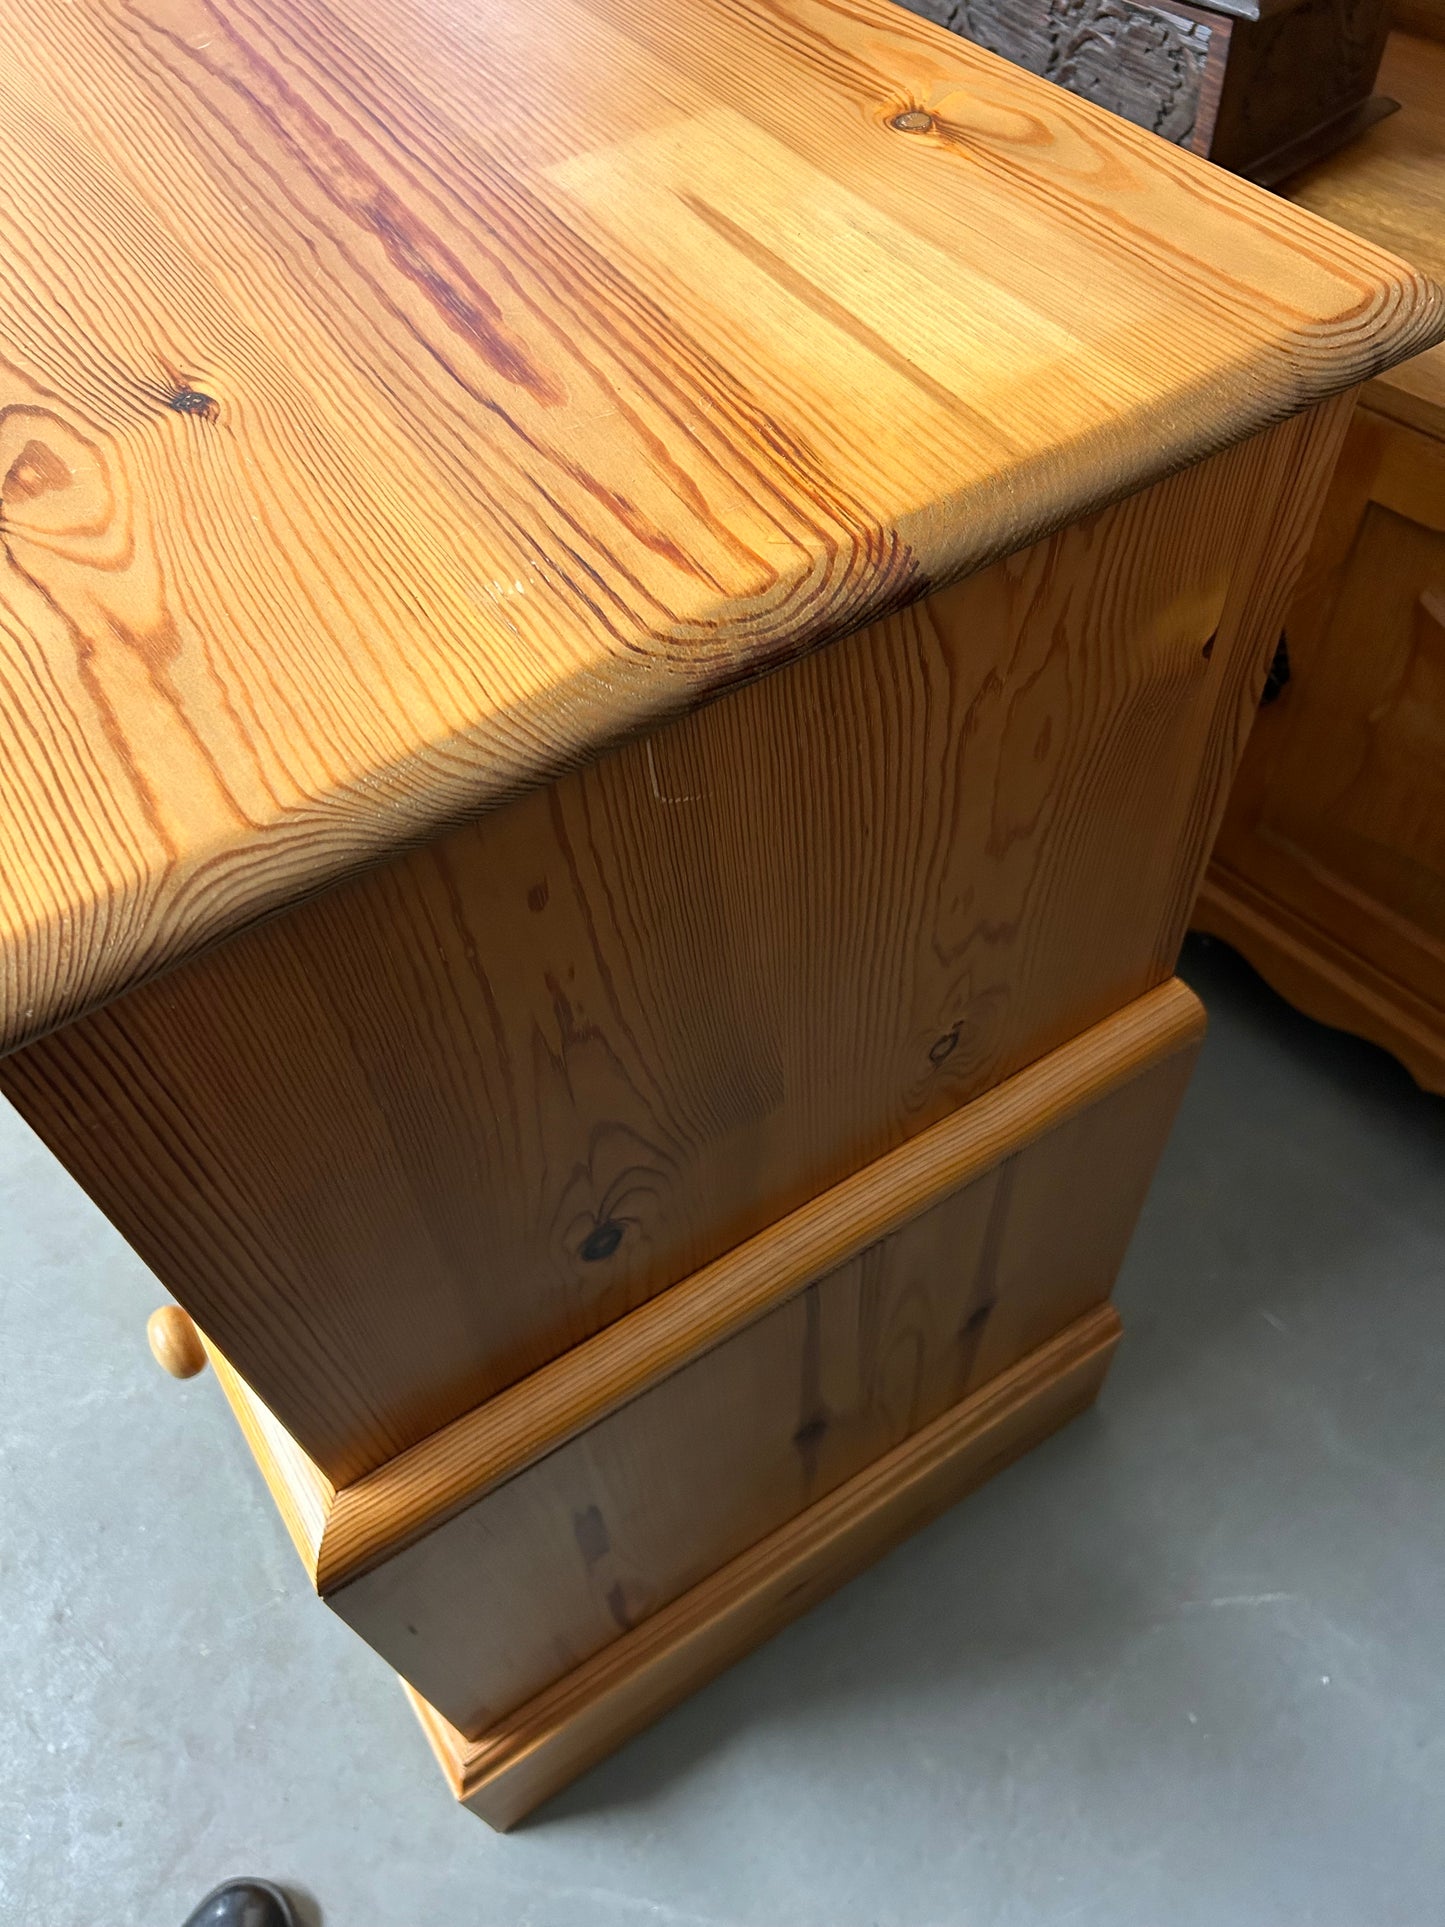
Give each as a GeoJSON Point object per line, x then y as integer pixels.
{"type": "Point", "coordinates": [1182, 1665]}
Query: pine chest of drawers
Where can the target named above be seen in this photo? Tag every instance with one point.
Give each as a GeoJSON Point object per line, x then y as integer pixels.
{"type": "Point", "coordinates": [1329, 872]}
{"type": "Point", "coordinates": [624, 633]}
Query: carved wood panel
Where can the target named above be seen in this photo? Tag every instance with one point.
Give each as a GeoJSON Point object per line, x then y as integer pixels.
{"type": "Point", "coordinates": [1149, 66]}
{"type": "Point", "coordinates": [1242, 86]}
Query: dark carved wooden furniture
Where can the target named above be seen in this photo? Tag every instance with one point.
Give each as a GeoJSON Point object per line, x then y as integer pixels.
{"type": "Point", "coordinates": [1259, 86]}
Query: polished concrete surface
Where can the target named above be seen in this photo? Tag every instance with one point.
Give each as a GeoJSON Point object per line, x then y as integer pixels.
{"type": "Point", "coordinates": [1184, 1665]}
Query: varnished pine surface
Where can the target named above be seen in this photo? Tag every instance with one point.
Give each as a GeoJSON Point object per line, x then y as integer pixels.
{"type": "Point", "coordinates": [1390, 187]}
{"type": "Point", "coordinates": [546, 1743]}
{"type": "Point", "coordinates": [599, 1534]}
{"type": "Point", "coordinates": [1330, 870]}
{"type": "Point", "coordinates": [398, 1148]}
{"type": "Point", "coordinates": [304, 1495]}
{"type": "Point", "coordinates": [573, 1507]}
{"type": "Point", "coordinates": [1329, 873]}
{"type": "Point", "coordinates": [1324, 976]}
{"type": "Point", "coordinates": [366, 1522]}
{"type": "Point", "coordinates": [402, 398]}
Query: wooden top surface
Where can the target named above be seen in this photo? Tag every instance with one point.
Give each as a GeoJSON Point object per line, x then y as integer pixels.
{"type": "Point", "coordinates": [1390, 187]}
{"type": "Point", "coordinates": [404, 398]}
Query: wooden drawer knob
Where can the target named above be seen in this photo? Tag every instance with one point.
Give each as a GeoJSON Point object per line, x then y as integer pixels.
{"type": "Point", "coordinates": [175, 1343]}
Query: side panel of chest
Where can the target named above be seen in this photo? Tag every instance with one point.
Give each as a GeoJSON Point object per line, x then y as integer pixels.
{"type": "Point", "coordinates": [398, 1148]}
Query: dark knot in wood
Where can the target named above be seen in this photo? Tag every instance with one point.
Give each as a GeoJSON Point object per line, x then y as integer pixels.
{"type": "Point", "coordinates": [602, 1242]}
{"type": "Point", "coordinates": [190, 401]}
{"type": "Point", "coordinates": [944, 1046]}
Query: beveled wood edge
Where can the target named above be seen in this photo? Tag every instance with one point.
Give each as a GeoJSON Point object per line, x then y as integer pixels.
{"type": "Point", "coordinates": [304, 1495]}
{"type": "Point", "coordinates": [546, 1743]}
{"type": "Point", "coordinates": [1320, 977]}
{"type": "Point", "coordinates": [1308, 371]}
{"type": "Point", "coordinates": [431, 1482]}
{"type": "Point", "coordinates": [343, 1533]}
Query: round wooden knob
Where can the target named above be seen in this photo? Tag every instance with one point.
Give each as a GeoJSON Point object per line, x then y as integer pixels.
{"type": "Point", "coordinates": [175, 1343]}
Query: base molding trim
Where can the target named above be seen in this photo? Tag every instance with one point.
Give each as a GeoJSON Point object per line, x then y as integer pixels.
{"type": "Point", "coordinates": [1320, 977]}
{"type": "Point", "coordinates": [546, 1743]}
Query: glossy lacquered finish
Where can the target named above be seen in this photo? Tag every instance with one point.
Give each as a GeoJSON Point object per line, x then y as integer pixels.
{"type": "Point", "coordinates": [1329, 874]}
{"type": "Point", "coordinates": [643, 1510]}
{"type": "Point", "coordinates": [637, 1135]}
{"type": "Point", "coordinates": [404, 1145]}
{"type": "Point", "coordinates": [405, 398]}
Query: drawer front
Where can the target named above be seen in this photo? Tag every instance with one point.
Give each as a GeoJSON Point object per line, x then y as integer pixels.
{"type": "Point", "coordinates": [549, 1565]}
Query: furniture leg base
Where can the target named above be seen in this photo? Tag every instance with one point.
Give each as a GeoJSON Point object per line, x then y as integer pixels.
{"type": "Point", "coordinates": [1319, 976]}
{"type": "Point", "coordinates": [545, 1744]}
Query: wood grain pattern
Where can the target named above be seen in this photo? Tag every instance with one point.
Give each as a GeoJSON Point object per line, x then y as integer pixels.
{"type": "Point", "coordinates": [304, 1495]}
{"type": "Point", "coordinates": [1323, 975]}
{"type": "Point", "coordinates": [345, 1533]}
{"type": "Point", "coordinates": [1330, 870]}
{"type": "Point", "coordinates": [1386, 186]}
{"type": "Point", "coordinates": [528, 1538]}
{"type": "Point", "coordinates": [401, 399]}
{"type": "Point", "coordinates": [544, 1745]}
{"type": "Point", "coordinates": [400, 1147]}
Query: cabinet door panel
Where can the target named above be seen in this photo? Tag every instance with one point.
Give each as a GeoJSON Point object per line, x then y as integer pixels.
{"type": "Point", "coordinates": [1339, 814]}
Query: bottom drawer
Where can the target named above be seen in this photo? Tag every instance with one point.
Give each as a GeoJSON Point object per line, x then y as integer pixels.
{"type": "Point", "coordinates": [544, 1744]}
{"type": "Point", "coordinates": [506, 1552]}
